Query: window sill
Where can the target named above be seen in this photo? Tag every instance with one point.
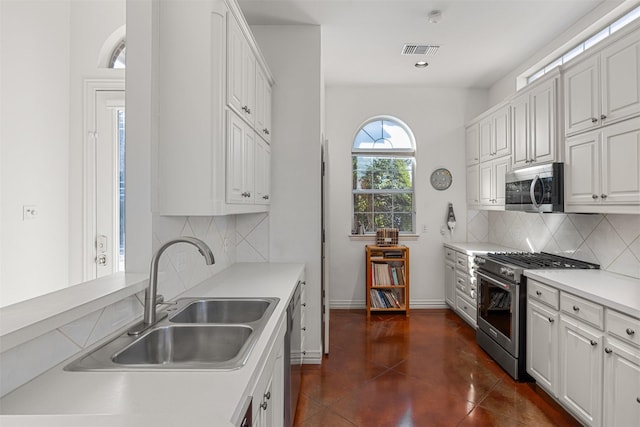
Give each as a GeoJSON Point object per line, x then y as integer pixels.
{"type": "Point", "coordinates": [29, 319]}
{"type": "Point", "coordinates": [372, 237]}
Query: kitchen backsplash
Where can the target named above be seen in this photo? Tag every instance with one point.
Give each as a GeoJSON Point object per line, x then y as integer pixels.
{"type": "Point", "coordinates": [240, 238]}
{"type": "Point", "coordinates": [612, 240]}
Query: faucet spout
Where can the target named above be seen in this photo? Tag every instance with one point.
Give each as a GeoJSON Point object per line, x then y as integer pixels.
{"type": "Point", "coordinates": [150, 295]}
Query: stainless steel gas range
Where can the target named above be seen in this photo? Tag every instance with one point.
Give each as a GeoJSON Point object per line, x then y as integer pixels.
{"type": "Point", "coordinates": [502, 303]}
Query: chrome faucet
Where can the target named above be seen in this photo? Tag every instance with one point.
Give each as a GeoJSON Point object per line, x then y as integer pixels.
{"type": "Point", "coordinates": [150, 294]}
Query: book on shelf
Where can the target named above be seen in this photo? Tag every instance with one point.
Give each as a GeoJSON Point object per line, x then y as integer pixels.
{"type": "Point", "coordinates": [384, 274]}
{"type": "Point", "coordinates": [384, 298]}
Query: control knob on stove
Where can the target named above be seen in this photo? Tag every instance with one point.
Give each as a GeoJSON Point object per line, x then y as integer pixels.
{"type": "Point", "coordinates": [507, 272]}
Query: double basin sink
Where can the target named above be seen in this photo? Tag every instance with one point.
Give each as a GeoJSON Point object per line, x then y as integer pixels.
{"type": "Point", "coordinates": [196, 333]}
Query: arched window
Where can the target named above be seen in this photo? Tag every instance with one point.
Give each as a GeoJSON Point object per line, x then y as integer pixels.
{"type": "Point", "coordinates": [118, 56]}
{"type": "Point", "coordinates": [383, 159]}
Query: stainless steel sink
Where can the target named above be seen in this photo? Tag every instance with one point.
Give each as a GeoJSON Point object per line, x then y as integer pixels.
{"type": "Point", "coordinates": [219, 310]}
{"type": "Point", "coordinates": [199, 334]}
{"type": "Point", "coordinates": [190, 345]}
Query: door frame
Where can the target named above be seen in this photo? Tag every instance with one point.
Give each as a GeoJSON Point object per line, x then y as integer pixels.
{"type": "Point", "coordinates": [90, 88]}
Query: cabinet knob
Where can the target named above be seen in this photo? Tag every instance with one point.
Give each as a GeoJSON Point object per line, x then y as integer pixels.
{"type": "Point", "coordinates": [594, 343]}
{"type": "Point", "coordinates": [638, 399]}
{"type": "Point", "coordinates": [266, 197]}
{"type": "Point", "coordinates": [630, 331]}
{"type": "Point", "coordinates": [551, 320]}
{"type": "Point", "coordinates": [245, 108]}
{"type": "Point", "coordinates": [604, 196]}
{"type": "Point", "coordinates": [265, 131]}
{"type": "Point", "coordinates": [603, 117]}
{"type": "Point", "coordinates": [538, 293]}
{"type": "Point", "coordinates": [246, 194]}
{"type": "Point", "coordinates": [264, 405]}
{"type": "Point", "coordinates": [594, 120]}
{"type": "Point", "coordinates": [594, 196]}
{"type": "Point", "coordinates": [576, 308]}
{"type": "Point", "coordinates": [267, 395]}
{"type": "Point", "coordinates": [607, 350]}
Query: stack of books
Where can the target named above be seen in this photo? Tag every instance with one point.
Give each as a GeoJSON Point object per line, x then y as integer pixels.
{"type": "Point", "coordinates": [384, 274]}
{"type": "Point", "coordinates": [384, 298]}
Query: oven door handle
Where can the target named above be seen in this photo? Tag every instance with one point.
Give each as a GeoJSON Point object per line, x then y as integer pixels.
{"type": "Point", "coordinates": [494, 281]}
{"type": "Point", "coordinates": [532, 192]}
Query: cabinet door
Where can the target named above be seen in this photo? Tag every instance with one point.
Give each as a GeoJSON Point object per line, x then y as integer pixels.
{"type": "Point", "coordinates": [620, 166]}
{"type": "Point", "coordinates": [580, 382]}
{"type": "Point", "coordinates": [500, 169]}
{"type": "Point", "coordinates": [621, 385]}
{"type": "Point", "coordinates": [473, 185]}
{"type": "Point", "coordinates": [542, 345]}
{"type": "Point", "coordinates": [473, 144]}
{"type": "Point", "coordinates": [501, 132]}
{"type": "Point", "coordinates": [621, 79]}
{"type": "Point", "coordinates": [543, 123]}
{"type": "Point", "coordinates": [235, 65]}
{"type": "Point", "coordinates": [263, 172]}
{"type": "Point", "coordinates": [582, 169]}
{"type": "Point", "coordinates": [248, 84]}
{"type": "Point", "coordinates": [263, 105]}
{"type": "Point", "coordinates": [240, 160]}
{"type": "Point", "coordinates": [450, 284]}
{"type": "Point", "coordinates": [520, 121]}
{"type": "Point", "coordinates": [582, 96]}
{"type": "Point", "coordinates": [486, 183]}
{"type": "Point", "coordinates": [486, 139]}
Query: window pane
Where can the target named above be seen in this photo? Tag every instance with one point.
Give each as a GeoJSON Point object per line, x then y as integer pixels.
{"type": "Point", "coordinates": [383, 220]}
{"type": "Point", "coordinates": [626, 19]}
{"type": "Point", "coordinates": [553, 65]}
{"type": "Point", "coordinates": [403, 203]}
{"type": "Point", "coordinates": [382, 203]}
{"type": "Point", "coordinates": [535, 76]}
{"type": "Point", "coordinates": [383, 134]}
{"type": "Point", "coordinates": [573, 53]}
{"type": "Point", "coordinates": [366, 219]}
{"type": "Point", "coordinates": [596, 38]}
{"type": "Point", "coordinates": [362, 203]}
{"type": "Point", "coordinates": [403, 222]}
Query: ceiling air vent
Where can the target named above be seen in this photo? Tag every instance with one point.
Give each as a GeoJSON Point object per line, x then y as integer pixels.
{"type": "Point", "coordinates": [420, 49]}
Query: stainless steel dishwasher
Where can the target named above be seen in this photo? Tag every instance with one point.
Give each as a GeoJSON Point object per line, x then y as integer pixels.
{"type": "Point", "coordinates": [292, 357]}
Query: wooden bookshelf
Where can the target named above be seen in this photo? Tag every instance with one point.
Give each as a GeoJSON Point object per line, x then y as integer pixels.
{"type": "Point", "coordinates": [387, 279]}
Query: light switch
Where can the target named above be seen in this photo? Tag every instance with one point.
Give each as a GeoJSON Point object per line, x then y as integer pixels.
{"type": "Point", "coordinates": [29, 212]}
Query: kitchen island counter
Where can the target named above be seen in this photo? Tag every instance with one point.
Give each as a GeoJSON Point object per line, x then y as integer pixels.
{"type": "Point", "coordinates": [143, 398]}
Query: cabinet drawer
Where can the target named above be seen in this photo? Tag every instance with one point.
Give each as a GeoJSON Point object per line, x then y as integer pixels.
{"type": "Point", "coordinates": [543, 293]}
{"type": "Point", "coordinates": [466, 307]}
{"type": "Point", "coordinates": [582, 309]}
{"type": "Point", "coordinates": [462, 261]}
{"type": "Point", "coordinates": [625, 327]}
{"type": "Point", "coordinates": [450, 254]}
{"type": "Point", "coordinates": [462, 282]}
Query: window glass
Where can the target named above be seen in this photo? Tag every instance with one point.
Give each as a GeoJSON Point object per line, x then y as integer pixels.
{"type": "Point", "coordinates": [383, 166]}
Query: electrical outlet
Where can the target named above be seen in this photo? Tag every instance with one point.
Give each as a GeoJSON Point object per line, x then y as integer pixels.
{"type": "Point", "coordinates": [424, 228]}
{"type": "Point", "coordinates": [29, 212]}
{"type": "Point", "coordinates": [442, 231]}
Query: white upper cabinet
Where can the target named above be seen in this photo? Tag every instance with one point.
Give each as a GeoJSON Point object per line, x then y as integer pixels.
{"type": "Point", "coordinates": [495, 134]}
{"type": "Point", "coordinates": [207, 145]}
{"type": "Point", "coordinates": [534, 124]}
{"type": "Point", "coordinates": [263, 172]}
{"type": "Point", "coordinates": [472, 140]}
{"type": "Point", "coordinates": [602, 170]}
{"type": "Point", "coordinates": [263, 105]}
{"type": "Point", "coordinates": [603, 88]}
{"type": "Point", "coordinates": [492, 183]}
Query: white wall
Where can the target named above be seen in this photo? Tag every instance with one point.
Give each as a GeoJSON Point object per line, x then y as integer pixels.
{"type": "Point", "coordinates": [293, 54]}
{"type": "Point", "coordinates": [437, 118]}
{"type": "Point", "coordinates": [35, 118]}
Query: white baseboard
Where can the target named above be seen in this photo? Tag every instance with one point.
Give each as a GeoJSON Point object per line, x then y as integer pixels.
{"type": "Point", "coordinates": [313, 357]}
{"type": "Point", "coordinates": [415, 304]}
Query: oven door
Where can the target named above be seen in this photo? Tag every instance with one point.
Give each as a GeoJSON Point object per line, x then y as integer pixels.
{"type": "Point", "coordinates": [497, 310]}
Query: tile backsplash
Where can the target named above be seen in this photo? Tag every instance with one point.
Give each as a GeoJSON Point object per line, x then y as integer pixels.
{"type": "Point", "coordinates": [611, 240]}
{"type": "Point", "coordinates": [234, 238]}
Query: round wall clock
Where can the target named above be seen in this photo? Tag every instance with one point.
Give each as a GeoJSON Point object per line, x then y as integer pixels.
{"type": "Point", "coordinates": [441, 179]}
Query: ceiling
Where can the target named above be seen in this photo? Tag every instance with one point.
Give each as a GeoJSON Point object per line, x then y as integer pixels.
{"type": "Point", "coordinates": [480, 41]}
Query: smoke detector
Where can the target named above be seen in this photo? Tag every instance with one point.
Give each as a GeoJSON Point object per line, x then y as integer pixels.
{"type": "Point", "coordinates": [420, 49]}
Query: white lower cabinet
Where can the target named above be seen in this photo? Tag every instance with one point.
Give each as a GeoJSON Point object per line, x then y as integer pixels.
{"type": "Point", "coordinates": [268, 394]}
{"type": "Point", "coordinates": [542, 345]}
{"type": "Point", "coordinates": [580, 370]}
{"type": "Point", "coordinates": [460, 285]}
{"type": "Point", "coordinates": [450, 283]}
{"type": "Point", "coordinates": [621, 384]}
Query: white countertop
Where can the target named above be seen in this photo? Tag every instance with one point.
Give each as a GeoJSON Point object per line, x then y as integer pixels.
{"type": "Point", "coordinates": [621, 293]}
{"type": "Point", "coordinates": [125, 398]}
{"type": "Point", "coordinates": [472, 248]}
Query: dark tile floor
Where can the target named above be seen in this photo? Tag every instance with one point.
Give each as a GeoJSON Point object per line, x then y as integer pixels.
{"type": "Point", "coordinates": [425, 370]}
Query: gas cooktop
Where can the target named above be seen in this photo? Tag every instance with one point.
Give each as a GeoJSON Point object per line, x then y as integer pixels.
{"type": "Point", "coordinates": [539, 260]}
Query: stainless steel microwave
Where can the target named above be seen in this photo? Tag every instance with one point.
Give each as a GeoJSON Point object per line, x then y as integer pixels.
{"type": "Point", "coordinates": [535, 189]}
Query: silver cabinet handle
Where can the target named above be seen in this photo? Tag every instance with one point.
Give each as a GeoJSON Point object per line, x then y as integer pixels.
{"type": "Point", "coordinates": [576, 308]}
{"type": "Point", "coordinates": [608, 350]}
{"type": "Point", "coordinates": [538, 293]}
{"type": "Point", "coordinates": [266, 197]}
{"type": "Point", "coordinates": [594, 196]}
{"type": "Point", "coordinates": [551, 320]}
{"type": "Point", "coordinates": [268, 395]}
{"type": "Point", "coordinates": [630, 331]}
{"type": "Point", "coordinates": [604, 196]}
{"type": "Point", "coordinates": [594, 120]}
{"type": "Point", "coordinates": [603, 117]}
{"type": "Point", "coordinates": [592, 342]}
{"type": "Point", "coordinates": [264, 405]}
{"type": "Point", "coordinates": [638, 399]}
{"type": "Point", "coordinates": [246, 194]}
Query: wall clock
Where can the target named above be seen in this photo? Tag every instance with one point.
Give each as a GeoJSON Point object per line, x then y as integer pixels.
{"type": "Point", "coordinates": [441, 179]}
